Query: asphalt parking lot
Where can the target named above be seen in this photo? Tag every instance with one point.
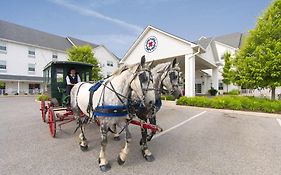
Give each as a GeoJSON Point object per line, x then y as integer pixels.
{"type": "Point", "coordinates": [195, 141]}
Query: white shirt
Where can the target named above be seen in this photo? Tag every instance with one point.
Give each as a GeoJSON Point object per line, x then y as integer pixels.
{"type": "Point", "coordinates": [68, 80]}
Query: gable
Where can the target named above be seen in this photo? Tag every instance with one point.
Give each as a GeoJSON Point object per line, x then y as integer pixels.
{"type": "Point", "coordinates": [167, 46]}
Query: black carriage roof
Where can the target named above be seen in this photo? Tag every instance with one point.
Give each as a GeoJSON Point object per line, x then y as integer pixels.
{"type": "Point", "coordinates": [69, 63]}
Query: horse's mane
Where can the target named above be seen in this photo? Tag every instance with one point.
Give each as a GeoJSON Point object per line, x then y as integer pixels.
{"type": "Point", "coordinates": [160, 67]}
{"type": "Point", "coordinates": [123, 68]}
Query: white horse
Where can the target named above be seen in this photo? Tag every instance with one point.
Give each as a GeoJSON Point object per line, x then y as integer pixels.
{"type": "Point", "coordinates": [109, 104]}
{"type": "Point", "coordinates": [166, 78]}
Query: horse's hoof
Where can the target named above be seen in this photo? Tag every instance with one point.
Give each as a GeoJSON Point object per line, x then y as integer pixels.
{"type": "Point", "coordinates": [149, 158]}
{"type": "Point", "coordinates": [120, 161]}
{"type": "Point", "coordinates": [84, 148]}
{"type": "Point", "coordinates": [116, 138]}
{"type": "Point", "coordinates": [105, 167]}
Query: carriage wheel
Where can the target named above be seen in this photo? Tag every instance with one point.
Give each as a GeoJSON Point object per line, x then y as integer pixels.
{"type": "Point", "coordinates": [52, 122]}
{"type": "Point", "coordinates": [43, 110]}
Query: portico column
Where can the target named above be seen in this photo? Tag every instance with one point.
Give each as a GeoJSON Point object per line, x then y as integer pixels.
{"type": "Point", "coordinates": [189, 76]}
{"type": "Point", "coordinates": [215, 78]}
{"type": "Point", "coordinates": [18, 87]}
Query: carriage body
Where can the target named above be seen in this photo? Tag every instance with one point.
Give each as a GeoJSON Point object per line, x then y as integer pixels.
{"type": "Point", "coordinates": [56, 111]}
{"type": "Point", "coordinates": [54, 75]}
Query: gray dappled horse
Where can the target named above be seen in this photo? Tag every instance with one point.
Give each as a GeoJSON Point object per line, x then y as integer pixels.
{"type": "Point", "coordinates": [166, 78]}
{"type": "Point", "coordinates": [109, 104]}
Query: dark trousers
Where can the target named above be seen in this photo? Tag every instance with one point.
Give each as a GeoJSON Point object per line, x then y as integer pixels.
{"type": "Point", "coordinates": [68, 89]}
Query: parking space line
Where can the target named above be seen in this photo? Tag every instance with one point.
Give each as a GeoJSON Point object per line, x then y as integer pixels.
{"type": "Point", "coordinates": [279, 121]}
{"type": "Point", "coordinates": [178, 125]}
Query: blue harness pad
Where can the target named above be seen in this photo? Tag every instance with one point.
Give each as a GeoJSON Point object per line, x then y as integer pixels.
{"type": "Point", "coordinates": [158, 103]}
{"type": "Point", "coordinates": [96, 86]}
{"type": "Point", "coordinates": [111, 111]}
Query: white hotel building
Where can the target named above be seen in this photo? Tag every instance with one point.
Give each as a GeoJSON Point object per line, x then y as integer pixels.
{"type": "Point", "coordinates": [201, 61]}
{"type": "Point", "coordinates": [24, 52]}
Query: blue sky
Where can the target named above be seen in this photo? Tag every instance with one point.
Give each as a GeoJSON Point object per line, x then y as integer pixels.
{"type": "Point", "coordinates": [117, 23]}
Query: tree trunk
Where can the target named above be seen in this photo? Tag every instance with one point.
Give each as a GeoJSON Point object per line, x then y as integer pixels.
{"type": "Point", "coordinates": [227, 88]}
{"type": "Point", "coordinates": [273, 93]}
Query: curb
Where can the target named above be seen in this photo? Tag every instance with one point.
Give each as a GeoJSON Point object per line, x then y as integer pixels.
{"type": "Point", "coordinates": [228, 111]}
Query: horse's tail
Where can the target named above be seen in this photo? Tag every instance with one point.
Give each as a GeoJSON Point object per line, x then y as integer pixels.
{"type": "Point", "coordinates": [73, 98]}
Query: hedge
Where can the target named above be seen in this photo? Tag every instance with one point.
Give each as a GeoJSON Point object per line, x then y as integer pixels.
{"type": "Point", "coordinates": [168, 97]}
{"type": "Point", "coordinates": [234, 103]}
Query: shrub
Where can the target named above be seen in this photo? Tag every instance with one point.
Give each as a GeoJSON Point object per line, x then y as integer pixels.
{"type": "Point", "coordinates": [16, 93]}
{"type": "Point", "coordinates": [234, 103]}
{"type": "Point", "coordinates": [212, 91]}
{"type": "Point", "coordinates": [6, 93]}
{"type": "Point", "coordinates": [45, 97]}
{"type": "Point", "coordinates": [168, 97]}
{"type": "Point", "coordinates": [25, 93]}
{"type": "Point", "coordinates": [234, 92]}
{"type": "Point", "coordinates": [182, 100]}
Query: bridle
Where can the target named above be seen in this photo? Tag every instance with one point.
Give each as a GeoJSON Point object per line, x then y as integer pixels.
{"type": "Point", "coordinates": [173, 75]}
{"type": "Point", "coordinates": [143, 78]}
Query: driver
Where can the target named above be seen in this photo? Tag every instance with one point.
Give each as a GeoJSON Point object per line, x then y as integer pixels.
{"type": "Point", "coordinates": [71, 79]}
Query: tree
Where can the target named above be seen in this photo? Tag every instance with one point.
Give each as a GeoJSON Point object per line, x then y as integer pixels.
{"type": "Point", "coordinates": [258, 63]}
{"type": "Point", "coordinates": [85, 54]}
{"type": "Point", "coordinates": [227, 73]}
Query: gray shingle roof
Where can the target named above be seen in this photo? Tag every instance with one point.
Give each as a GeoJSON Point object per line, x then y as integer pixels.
{"type": "Point", "coordinates": [233, 40]}
{"type": "Point", "coordinates": [79, 42]}
{"type": "Point", "coordinates": [204, 42]}
{"type": "Point", "coordinates": [27, 35]}
{"type": "Point", "coordinates": [35, 37]}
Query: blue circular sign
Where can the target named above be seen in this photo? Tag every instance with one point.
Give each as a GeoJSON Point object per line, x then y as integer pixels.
{"type": "Point", "coordinates": [150, 44]}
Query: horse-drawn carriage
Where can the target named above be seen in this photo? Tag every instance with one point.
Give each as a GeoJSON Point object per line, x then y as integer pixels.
{"type": "Point", "coordinates": [54, 75]}
{"type": "Point", "coordinates": [130, 96]}
{"type": "Point", "coordinates": [56, 110]}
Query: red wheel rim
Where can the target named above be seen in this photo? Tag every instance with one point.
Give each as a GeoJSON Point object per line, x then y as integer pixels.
{"type": "Point", "coordinates": [52, 122]}
{"type": "Point", "coordinates": [42, 109]}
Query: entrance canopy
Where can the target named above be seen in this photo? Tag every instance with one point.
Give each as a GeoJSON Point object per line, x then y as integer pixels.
{"type": "Point", "coordinates": [160, 46]}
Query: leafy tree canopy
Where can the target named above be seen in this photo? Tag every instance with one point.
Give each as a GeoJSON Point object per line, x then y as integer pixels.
{"type": "Point", "coordinates": [85, 54]}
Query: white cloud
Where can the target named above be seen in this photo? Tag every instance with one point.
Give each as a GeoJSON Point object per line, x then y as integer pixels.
{"type": "Point", "coordinates": [88, 12]}
{"type": "Point", "coordinates": [117, 43]}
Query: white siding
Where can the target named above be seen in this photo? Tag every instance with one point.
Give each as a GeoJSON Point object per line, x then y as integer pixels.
{"type": "Point", "coordinates": [167, 47]}
{"type": "Point", "coordinates": [103, 55]}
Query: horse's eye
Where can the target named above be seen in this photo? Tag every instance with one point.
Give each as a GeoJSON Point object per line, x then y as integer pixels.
{"type": "Point", "coordinates": [143, 78]}
{"type": "Point", "coordinates": [173, 76]}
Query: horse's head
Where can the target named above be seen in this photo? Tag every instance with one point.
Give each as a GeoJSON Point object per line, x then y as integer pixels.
{"type": "Point", "coordinates": [142, 84]}
{"type": "Point", "coordinates": [170, 79]}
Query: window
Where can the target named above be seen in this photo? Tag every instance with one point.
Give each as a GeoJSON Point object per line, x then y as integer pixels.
{"type": "Point", "coordinates": [110, 63]}
{"type": "Point", "coordinates": [31, 52]}
{"type": "Point", "coordinates": [31, 68]}
{"type": "Point", "coordinates": [87, 76]}
{"type": "Point", "coordinates": [55, 56]}
{"type": "Point", "coordinates": [3, 47]}
{"type": "Point", "coordinates": [59, 75]}
{"type": "Point", "coordinates": [3, 66]}
{"type": "Point", "coordinates": [220, 86]}
{"type": "Point", "coordinates": [198, 88]}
